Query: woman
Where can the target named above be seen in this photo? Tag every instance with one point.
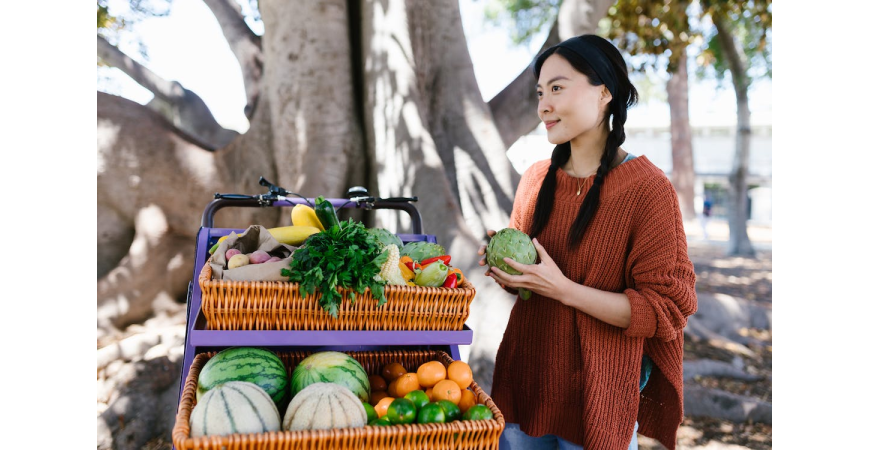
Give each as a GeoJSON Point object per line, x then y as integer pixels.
{"type": "Point", "coordinates": [614, 285]}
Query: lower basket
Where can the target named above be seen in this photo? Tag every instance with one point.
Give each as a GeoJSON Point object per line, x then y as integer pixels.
{"type": "Point", "coordinates": [477, 434]}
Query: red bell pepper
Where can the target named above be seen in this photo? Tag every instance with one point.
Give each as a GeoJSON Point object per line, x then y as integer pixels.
{"type": "Point", "coordinates": [445, 259]}
{"type": "Point", "coordinates": [450, 281]}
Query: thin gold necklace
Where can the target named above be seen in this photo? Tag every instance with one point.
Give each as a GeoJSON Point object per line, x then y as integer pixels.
{"type": "Point", "coordinates": [579, 185]}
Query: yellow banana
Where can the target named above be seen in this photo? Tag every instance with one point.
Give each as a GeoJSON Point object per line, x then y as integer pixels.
{"type": "Point", "coordinates": [290, 235]}
{"type": "Point", "coordinates": [294, 234]}
{"type": "Point", "coordinates": [304, 215]}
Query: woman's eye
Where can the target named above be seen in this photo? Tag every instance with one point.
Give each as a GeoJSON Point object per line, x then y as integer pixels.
{"type": "Point", "coordinates": [556, 88]}
{"type": "Point", "coordinates": [540, 94]}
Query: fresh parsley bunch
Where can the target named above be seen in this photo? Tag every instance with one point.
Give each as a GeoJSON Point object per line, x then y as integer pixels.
{"type": "Point", "coordinates": [345, 256]}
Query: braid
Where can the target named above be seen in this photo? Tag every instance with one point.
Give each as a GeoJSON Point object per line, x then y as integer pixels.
{"type": "Point", "coordinates": [590, 204]}
{"type": "Point", "coordinates": [544, 203]}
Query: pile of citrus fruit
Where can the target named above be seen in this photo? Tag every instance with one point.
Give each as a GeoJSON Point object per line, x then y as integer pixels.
{"type": "Point", "coordinates": [432, 394]}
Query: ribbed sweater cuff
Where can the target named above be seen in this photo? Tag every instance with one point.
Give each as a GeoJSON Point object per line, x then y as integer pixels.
{"type": "Point", "coordinates": [643, 317]}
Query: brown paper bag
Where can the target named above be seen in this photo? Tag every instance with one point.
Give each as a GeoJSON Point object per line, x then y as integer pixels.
{"type": "Point", "coordinates": [256, 237]}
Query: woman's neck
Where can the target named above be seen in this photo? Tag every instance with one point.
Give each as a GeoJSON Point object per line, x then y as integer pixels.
{"type": "Point", "coordinates": [586, 151]}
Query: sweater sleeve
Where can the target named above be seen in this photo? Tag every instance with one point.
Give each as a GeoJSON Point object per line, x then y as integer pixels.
{"type": "Point", "coordinates": [662, 296]}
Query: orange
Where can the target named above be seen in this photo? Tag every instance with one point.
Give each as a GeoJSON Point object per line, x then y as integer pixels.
{"type": "Point", "coordinates": [430, 373]}
{"type": "Point", "coordinates": [377, 396]}
{"type": "Point", "coordinates": [467, 400]}
{"type": "Point", "coordinates": [377, 383]}
{"type": "Point", "coordinates": [391, 389]}
{"type": "Point", "coordinates": [393, 371]}
{"type": "Point", "coordinates": [447, 390]}
{"type": "Point", "coordinates": [430, 395]}
{"type": "Point", "coordinates": [406, 384]}
{"type": "Point", "coordinates": [460, 372]}
{"type": "Point", "coordinates": [383, 405]}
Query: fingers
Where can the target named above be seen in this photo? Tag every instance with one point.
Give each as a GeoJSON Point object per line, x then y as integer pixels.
{"type": "Point", "coordinates": [524, 268]}
{"type": "Point", "coordinates": [490, 233]}
{"type": "Point", "coordinates": [542, 253]}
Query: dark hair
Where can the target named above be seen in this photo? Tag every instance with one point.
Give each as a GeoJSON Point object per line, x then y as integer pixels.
{"type": "Point", "coordinates": [625, 96]}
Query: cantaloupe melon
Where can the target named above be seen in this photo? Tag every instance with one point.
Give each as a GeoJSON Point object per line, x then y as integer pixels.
{"type": "Point", "coordinates": [324, 406]}
{"type": "Point", "coordinates": [234, 407]}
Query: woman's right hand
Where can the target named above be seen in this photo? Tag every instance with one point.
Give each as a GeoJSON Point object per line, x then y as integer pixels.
{"type": "Point", "coordinates": [482, 252]}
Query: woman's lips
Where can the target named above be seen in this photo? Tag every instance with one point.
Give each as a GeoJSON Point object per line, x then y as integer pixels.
{"type": "Point", "coordinates": [551, 124]}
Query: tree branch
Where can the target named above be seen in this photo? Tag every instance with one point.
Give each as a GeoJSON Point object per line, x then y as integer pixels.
{"type": "Point", "coordinates": [181, 106]}
{"type": "Point", "coordinates": [244, 44]}
{"type": "Point", "coordinates": [514, 109]}
{"type": "Point", "coordinates": [112, 56]}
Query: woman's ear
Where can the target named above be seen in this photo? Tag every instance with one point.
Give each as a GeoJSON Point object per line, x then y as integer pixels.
{"type": "Point", "coordinates": [605, 95]}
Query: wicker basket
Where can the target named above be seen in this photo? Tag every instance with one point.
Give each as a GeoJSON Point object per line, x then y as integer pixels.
{"type": "Point", "coordinates": [278, 305]}
{"type": "Point", "coordinates": [478, 434]}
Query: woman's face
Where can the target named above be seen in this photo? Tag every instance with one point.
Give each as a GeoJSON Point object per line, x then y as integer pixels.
{"type": "Point", "coordinates": [567, 104]}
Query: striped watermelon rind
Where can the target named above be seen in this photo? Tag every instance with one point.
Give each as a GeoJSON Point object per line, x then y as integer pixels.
{"type": "Point", "coordinates": [256, 365]}
{"type": "Point", "coordinates": [331, 367]}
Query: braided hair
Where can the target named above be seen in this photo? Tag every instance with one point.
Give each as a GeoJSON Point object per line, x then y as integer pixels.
{"type": "Point", "coordinates": [625, 96]}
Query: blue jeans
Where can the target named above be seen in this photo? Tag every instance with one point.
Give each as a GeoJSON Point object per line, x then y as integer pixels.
{"type": "Point", "coordinates": [515, 439]}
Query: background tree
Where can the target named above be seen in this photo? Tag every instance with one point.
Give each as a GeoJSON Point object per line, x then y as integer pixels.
{"type": "Point", "coordinates": [656, 34]}
{"type": "Point", "coordinates": [739, 45]}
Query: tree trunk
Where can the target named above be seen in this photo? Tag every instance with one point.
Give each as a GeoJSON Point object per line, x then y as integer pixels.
{"type": "Point", "coordinates": [738, 214]}
{"type": "Point", "coordinates": [683, 168]}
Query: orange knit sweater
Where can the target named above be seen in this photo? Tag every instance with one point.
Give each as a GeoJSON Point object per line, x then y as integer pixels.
{"type": "Point", "coordinates": [560, 371]}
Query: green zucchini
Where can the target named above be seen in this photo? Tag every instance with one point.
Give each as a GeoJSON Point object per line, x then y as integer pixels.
{"type": "Point", "coordinates": [325, 213]}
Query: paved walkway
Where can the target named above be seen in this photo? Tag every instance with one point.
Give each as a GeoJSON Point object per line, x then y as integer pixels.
{"type": "Point", "coordinates": [761, 235]}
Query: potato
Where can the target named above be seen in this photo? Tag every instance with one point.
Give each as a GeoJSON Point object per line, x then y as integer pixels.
{"type": "Point", "coordinates": [238, 261]}
{"type": "Point", "coordinates": [258, 257]}
{"type": "Point", "coordinates": [232, 252]}
{"type": "Point", "coordinates": [274, 259]}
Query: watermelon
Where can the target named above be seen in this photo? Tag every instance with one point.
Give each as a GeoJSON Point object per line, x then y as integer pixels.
{"type": "Point", "coordinates": [234, 407]}
{"type": "Point", "coordinates": [256, 365]}
{"type": "Point", "coordinates": [331, 367]}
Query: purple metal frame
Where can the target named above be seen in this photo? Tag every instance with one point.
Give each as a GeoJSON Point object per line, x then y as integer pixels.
{"type": "Point", "coordinates": [198, 339]}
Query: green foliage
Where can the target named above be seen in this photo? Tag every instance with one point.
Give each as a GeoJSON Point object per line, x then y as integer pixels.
{"type": "Point", "coordinates": [750, 22]}
{"type": "Point", "coordinates": [654, 32]}
{"type": "Point", "coordinates": [525, 18]}
{"type": "Point", "coordinates": [346, 256]}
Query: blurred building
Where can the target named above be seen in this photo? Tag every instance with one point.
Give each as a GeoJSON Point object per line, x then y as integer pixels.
{"type": "Point", "coordinates": [713, 148]}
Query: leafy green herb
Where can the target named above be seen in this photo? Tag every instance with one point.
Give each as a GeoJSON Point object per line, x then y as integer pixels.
{"type": "Point", "coordinates": [346, 257]}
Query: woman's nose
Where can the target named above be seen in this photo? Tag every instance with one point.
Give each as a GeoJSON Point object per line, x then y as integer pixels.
{"type": "Point", "coordinates": [544, 107]}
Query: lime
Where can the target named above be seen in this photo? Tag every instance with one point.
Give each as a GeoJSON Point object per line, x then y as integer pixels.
{"type": "Point", "coordinates": [402, 410]}
{"type": "Point", "coordinates": [477, 412]}
{"type": "Point", "coordinates": [370, 412]}
{"type": "Point", "coordinates": [431, 413]}
{"type": "Point", "coordinates": [419, 398]}
{"type": "Point", "coordinates": [382, 422]}
{"type": "Point", "coordinates": [450, 410]}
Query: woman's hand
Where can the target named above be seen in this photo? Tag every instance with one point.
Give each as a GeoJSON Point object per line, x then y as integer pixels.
{"type": "Point", "coordinates": [544, 279]}
{"type": "Point", "coordinates": [482, 252]}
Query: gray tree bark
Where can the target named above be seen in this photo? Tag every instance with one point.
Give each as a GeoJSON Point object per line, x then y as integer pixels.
{"type": "Point", "coordinates": [683, 168]}
{"type": "Point", "coordinates": [738, 214]}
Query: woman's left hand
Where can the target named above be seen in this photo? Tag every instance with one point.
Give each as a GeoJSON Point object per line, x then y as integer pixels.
{"type": "Point", "coordinates": [544, 279]}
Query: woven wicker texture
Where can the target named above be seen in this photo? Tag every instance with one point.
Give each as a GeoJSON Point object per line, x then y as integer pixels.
{"type": "Point", "coordinates": [478, 434]}
{"type": "Point", "coordinates": [278, 305]}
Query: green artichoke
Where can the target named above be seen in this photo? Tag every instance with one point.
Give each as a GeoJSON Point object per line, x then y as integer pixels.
{"type": "Point", "coordinates": [514, 244]}
{"type": "Point", "coordinates": [420, 250]}
{"type": "Point", "coordinates": [385, 237]}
